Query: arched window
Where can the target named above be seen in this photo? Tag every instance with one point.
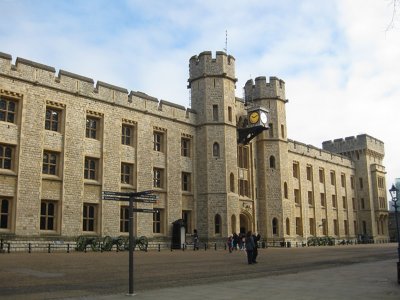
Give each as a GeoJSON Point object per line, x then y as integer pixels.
{"type": "Point", "coordinates": [285, 190]}
{"type": "Point", "coordinates": [272, 162]}
{"type": "Point", "coordinates": [216, 149]}
{"type": "Point", "coordinates": [232, 182]}
{"type": "Point", "coordinates": [274, 226]}
{"type": "Point", "coordinates": [287, 226]}
{"type": "Point", "coordinates": [217, 223]}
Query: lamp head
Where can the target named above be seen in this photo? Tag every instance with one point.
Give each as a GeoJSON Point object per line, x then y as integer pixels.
{"type": "Point", "coordinates": [393, 192]}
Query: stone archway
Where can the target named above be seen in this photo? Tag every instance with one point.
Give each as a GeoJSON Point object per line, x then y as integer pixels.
{"type": "Point", "coordinates": [245, 222]}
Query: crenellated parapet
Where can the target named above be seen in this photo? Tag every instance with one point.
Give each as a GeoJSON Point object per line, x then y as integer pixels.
{"type": "Point", "coordinates": [42, 75]}
{"type": "Point", "coordinates": [317, 153]}
{"type": "Point", "coordinates": [204, 65]}
{"type": "Point", "coordinates": [261, 89]}
{"type": "Point", "coordinates": [352, 143]}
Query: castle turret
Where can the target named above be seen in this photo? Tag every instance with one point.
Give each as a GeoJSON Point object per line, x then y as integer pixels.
{"type": "Point", "coordinates": [271, 151]}
{"type": "Point", "coordinates": [367, 153]}
{"type": "Point", "coordinates": [212, 84]}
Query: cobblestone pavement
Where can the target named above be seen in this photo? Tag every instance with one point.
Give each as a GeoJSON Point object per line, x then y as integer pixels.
{"type": "Point", "coordinates": [105, 275]}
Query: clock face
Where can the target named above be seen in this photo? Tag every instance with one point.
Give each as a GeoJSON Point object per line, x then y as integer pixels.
{"type": "Point", "coordinates": [263, 117]}
{"type": "Point", "coordinates": [253, 118]}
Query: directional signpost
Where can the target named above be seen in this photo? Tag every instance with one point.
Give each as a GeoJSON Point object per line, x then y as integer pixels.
{"type": "Point", "coordinates": [143, 197]}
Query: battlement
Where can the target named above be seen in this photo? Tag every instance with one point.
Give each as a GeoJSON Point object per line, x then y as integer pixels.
{"type": "Point", "coordinates": [204, 65]}
{"type": "Point", "coordinates": [352, 143]}
{"type": "Point", "coordinates": [317, 153]}
{"type": "Point", "coordinates": [262, 89]}
{"type": "Point", "coordinates": [39, 74]}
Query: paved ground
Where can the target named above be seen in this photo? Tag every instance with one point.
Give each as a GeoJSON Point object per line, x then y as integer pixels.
{"type": "Point", "coordinates": [341, 272]}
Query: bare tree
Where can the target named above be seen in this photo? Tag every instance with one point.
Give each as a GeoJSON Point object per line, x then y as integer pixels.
{"type": "Point", "coordinates": [395, 6]}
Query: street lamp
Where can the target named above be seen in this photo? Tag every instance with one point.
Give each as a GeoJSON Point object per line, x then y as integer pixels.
{"type": "Point", "coordinates": [394, 193]}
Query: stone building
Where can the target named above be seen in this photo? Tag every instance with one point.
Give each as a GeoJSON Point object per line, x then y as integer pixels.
{"type": "Point", "coordinates": [65, 139]}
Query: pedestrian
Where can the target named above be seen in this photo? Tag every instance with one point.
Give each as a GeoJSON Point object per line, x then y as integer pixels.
{"type": "Point", "coordinates": [235, 241]}
{"type": "Point", "coordinates": [256, 239]}
{"type": "Point", "coordinates": [195, 240]}
{"type": "Point", "coordinates": [229, 242]}
{"type": "Point", "coordinates": [249, 244]}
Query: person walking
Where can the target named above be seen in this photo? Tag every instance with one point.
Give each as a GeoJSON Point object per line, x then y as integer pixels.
{"type": "Point", "coordinates": [256, 239]}
{"type": "Point", "coordinates": [250, 245]}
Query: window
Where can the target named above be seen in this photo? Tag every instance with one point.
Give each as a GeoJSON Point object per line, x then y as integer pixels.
{"type": "Point", "coordinates": [158, 178]}
{"type": "Point", "coordinates": [283, 131]}
{"type": "Point", "coordinates": [312, 226]}
{"type": "Point", "coordinates": [296, 170]}
{"type": "Point", "coordinates": [6, 157]}
{"type": "Point", "coordinates": [353, 201]}
{"type": "Point", "coordinates": [346, 227]}
{"type": "Point", "coordinates": [343, 180]}
{"type": "Point", "coordinates": [272, 162]}
{"type": "Point", "coordinates": [310, 198]}
{"type": "Point", "coordinates": [92, 128]}
{"type": "Point", "coordinates": [53, 118]}
{"type": "Point", "coordinates": [157, 221]}
{"type": "Point", "coordinates": [217, 224]}
{"type": "Point", "coordinates": [324, 227]}
{"type": "Point", "coordinates": [89, 217]}
{"type": "Point", "coordinates": [8, 110]}
{"type": "Point", "coordinates": [333, 179]}
{"type": "Point", "coordinates": [229, 114]}
{"type": "Point", "coordinates": [299, 230]}
{"type": "Point", "coordinates": [244, 188]}
{"type": "Point", "coordinates": [275, 226]}
{"type": "Point", "coordinates": [361, 183]}
{"type": "Point", "coordinates": [50, 161]}
{"type": "Point", "coordinates": [355, 226]}
{"type": "Point", "coordinates": [309, 173]}
{"type": "Point", "coordinates": [297, 196]}
{"type": "Point", "coordinates": [287, 226]}
{"type": "Point", "coordinates": [344, 202]}
{"type": "Point", "coordinates": [47, 215]}
{"type": "Point", "coordinates": [335, 227]}
{"type": "Point", "coordinates": [186, 182]}
{"type": "Point", "coordinates": [127, 135]}
{"type": "Point", "coordinates": [243, 157]}
{"type": "Point", "coordinates": [91, 166]}
{"type": "Point", "coordinates": [158, 141]}
{"type": "Point", "coordinates": [232, 182]}
{"type": "Point", "coordinates": [285, 190]}
{"type": "Point", "coordinates": [216, 149]}
{"type": "Point", "coordinates": [271, 130]}
{"type": "Point", "coordinates": [334, 202]}
{"type": "Point", "coordinates": [321, 175]}
{"type": "Point", "coordinates": [381, 182]}
{"type": "Point", "coordinates": [5, 211]}
{"type": "Point", "coordinates": [362, 203]}
{"type": "Point", "coordinates": [124, 219]}
{"type": "Point", "coordinates": [215, 112]}
{"type": "Point", "coordinates": [185, 147]}
{"type": "Point", "coordinates": [352, 182]}
{"type": "Point", "coordinates": [322, 199]}
{"type": "Point", "coordinates": [126, 173]}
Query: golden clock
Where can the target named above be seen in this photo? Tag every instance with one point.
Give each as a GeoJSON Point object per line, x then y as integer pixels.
{"type": "Point", "coordinates": [254, 117]}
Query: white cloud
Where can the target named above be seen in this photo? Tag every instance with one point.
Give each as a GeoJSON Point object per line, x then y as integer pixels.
{"type": "Point", "coordinates": [340, 66]}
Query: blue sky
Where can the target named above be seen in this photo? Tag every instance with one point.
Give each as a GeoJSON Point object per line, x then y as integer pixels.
{"type": "Point", "coordinates": [339, 62]}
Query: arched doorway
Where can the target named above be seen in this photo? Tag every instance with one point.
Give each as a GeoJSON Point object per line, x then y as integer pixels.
{"type": "Point", "coordinates": [245, 222]}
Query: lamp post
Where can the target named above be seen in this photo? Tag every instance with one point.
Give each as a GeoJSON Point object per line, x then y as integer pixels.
{"type": "Point", "coordinates": [394, 194]}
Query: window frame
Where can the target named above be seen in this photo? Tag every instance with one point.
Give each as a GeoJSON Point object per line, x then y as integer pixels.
{"type": "Point", "coordinates": [4, 157]}
{"type": "Point", "coordinates": [46, 218]}
{"type": "Point", "coordinates": [48, 165]}
{"type": "Point", "coordinates": [7, 112]}
{"type": "Point", "coordinates": [5, 214]}
{"type": "Point", "coordinates": [127, 176]}
{"type": "Point", "coordinates": [89, 172]}
{"type": "Point", "coordinates": [127, 139]}
{"type": "Point", "coordinates": [89, 223]}
{"type": "Point", "coordinates": [50, 122]}
{"type": "Point", "coordinates": [158, 178]}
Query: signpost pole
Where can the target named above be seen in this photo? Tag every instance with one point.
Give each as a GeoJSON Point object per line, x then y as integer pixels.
{"type": "Point", "coordinates": [131, 241]}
